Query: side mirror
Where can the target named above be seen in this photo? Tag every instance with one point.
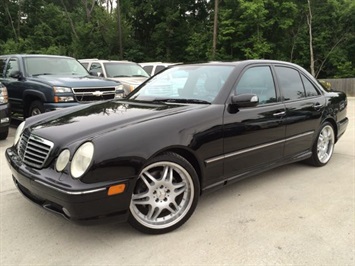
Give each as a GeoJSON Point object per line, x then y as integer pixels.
{"type": "Point", "coordinates": [94, 73]}
{"type": "Point", "coordinates": [16, 74]}
{"type": "Point", "coordinates": [245, 100]}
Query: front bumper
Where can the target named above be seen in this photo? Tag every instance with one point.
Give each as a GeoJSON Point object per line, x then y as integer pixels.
{"type": "Point", "coordinates": [4, 117]}
{"type": "Point", "coordinates": [342, 125]}
{"type": "Point", "coordinates": [79, 202]}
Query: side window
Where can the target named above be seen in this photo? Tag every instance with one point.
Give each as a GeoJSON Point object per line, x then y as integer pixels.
{"type": "Point", "coordinates": [310, 89]}
{"type": "Point", "coordinates": [96, 69]}
{"type": "Point", "coordinates": [11, 67]}
{"type": "Point", "coordinates": [259, 81]}
{"type": "Point", "coordinates": [290, 83]}
{"type": "Point", "coordinates": [148, 69]}
{"type": "Point", "coordinates": [2, 66]}
{"type": "Point", "coordinates": [85, 65]}
{"type": "Point", "coordinates": [159, 68]}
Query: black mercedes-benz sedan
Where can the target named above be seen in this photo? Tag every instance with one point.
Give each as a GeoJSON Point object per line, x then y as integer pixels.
{"type": "Point", "coordinates": [191, 128]}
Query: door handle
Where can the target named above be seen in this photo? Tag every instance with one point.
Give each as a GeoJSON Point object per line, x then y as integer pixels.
{"type": "Point", "coordinates": [280, 113]}
{"type": "Point", "coordinates": [317, 106]}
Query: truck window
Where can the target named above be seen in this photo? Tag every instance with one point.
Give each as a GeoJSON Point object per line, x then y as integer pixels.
{"type": "Point", "coordinates": [12, 66]}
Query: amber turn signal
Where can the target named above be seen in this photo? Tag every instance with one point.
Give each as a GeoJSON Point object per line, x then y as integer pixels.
{"type": "Point", "coordinates": [117, 189]}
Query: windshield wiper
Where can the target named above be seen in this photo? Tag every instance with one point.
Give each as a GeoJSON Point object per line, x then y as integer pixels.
{"type": "Point", "coordinates": [139, 76]}
{"type": "Point", "coordinates": [171, 100]}
{"type": "Point", "coordinates": [118, 76]}
{"type": "Point", "coordinates": [41, 74]}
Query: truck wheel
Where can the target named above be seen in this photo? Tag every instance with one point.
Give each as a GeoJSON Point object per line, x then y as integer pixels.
{"type": "Point", "coordinates": [3, 135]}
{"type": "Point", "coordinates": [36, 108]}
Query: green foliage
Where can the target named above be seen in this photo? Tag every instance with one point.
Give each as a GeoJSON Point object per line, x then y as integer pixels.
{"type": "Point", "coordinates": [181, 31]}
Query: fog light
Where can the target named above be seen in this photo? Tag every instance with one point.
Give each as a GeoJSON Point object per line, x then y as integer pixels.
{"type": "Point", "coordinates": [117, 189]}
{"type": "Point", "coordinates": [5, 120]}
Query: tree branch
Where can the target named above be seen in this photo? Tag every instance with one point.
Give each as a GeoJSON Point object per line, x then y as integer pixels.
{"type": "Point", "coordinates": [70, 20]}
{"type": "Point", "coordinates": [331, 50]}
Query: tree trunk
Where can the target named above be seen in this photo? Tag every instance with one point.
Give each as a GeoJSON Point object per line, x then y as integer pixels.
{"type": "Point", "coordinates": [119, 29]}
{"type": "Point", "coordinates": [215, 26]}
{"type": "Point", "coordinates": [309, 22]}
{"type": "Point", "coordinates": [70, 20]}
{"type": "Point", "coordinates": [10, 20]}
{"type": "Point", "coordinates": [87, 9]}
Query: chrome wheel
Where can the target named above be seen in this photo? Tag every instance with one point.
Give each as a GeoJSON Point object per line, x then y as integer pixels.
{"type": "Point", "coordinates": [325, 144]}
{"type": "Point", "coordinates": [164, 196]}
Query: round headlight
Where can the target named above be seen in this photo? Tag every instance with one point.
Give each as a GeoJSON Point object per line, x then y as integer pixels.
{"type": "Point", "coordinates": [19, 132]}
{"type": "Point", "coordinates": [63, 160]}
{"type": "Point", "coordinates": [82, 159]}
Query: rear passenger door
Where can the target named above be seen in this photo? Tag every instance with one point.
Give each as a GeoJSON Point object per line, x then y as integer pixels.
{"type": "Point", "coordinates": [304, 108]}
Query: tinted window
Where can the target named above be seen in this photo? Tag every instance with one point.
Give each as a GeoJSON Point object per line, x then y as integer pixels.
{"type": "Point", "coordinates": [159, 68]}
{"type": "Point", "coordinates": [11, 67]}
{"type": "Point", "coordinates": [310, 89]}
{"type": "Point", "coordinates": [290, 83]}
{"type": "Point", "coordinates": [96, 67]}
{"type": "Point", "coordinates": [148, 69]}
{"type": "Point", "coordinates": [259, 81]}
{"type": "Point", "coordinates": [2, 66]}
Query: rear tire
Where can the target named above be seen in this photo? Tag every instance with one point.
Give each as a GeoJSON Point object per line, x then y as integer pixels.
{"type": "Point", "coordinates": [165, 195]}
{"type": "Point", "coordinates": [36, 108]}
{"type": "Point", "coordinates": [323, 146]}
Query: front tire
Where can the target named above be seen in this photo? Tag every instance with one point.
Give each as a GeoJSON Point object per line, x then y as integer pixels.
{"type": "Point", "coordinates": [36, 108]}
{"type": "Point", "coordinates": [165, 195]}
{"type": "Point", "coordinates": [4, 134]}
{"type": "Point", "coordinates": [323, 146]}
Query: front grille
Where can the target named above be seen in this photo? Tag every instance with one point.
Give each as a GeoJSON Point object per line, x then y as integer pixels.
{"type": "Point", "coordinates": [34, 150]}
{"type": "Point", "coordinates": [94, 94]}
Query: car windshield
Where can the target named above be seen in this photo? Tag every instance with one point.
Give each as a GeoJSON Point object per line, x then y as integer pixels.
{"type": "Point", "coordinates": [116, 70]}
{"type": "Point", "coordinates": [37, 66]}
{"type": "Point", "coordinates": [189, 83]}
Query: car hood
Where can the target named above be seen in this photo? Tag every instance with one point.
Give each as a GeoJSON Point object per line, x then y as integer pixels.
{"type": "Point", "coordinates": [135, 81]}
{"type": "Point", "coordinates": [73, 81]}
{"type": "Point", "coordinates": [91, 120]}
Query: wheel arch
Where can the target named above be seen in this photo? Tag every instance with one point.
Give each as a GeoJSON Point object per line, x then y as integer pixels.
{"type": "Point", "coordinates": [334, 125]}
{"type": "Point", "coordinates": [29, 97]}
{"type": "Point", "coordinates": [187, 155]}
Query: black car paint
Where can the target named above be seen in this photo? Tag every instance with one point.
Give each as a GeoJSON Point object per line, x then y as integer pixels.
{"type": "Point", "coordinates": [224, 143]}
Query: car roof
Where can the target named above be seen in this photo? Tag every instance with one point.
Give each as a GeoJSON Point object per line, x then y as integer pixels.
{"type": "Point", "coordinates": [248, 62]}
{"type": "Point", "coordinates": [105, 61]}
{"type": "Point", "coordinates": [37, 55]}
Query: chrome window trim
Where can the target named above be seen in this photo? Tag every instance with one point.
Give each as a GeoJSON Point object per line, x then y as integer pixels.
{"type": "Point", "coordinates": [232, 154]}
